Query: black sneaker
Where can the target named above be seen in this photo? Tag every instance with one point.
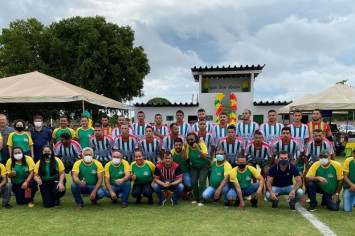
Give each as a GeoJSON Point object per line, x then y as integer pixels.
{"type": "Point", "coordinates": [254, 202]}
{"type": "Point", "coordinates": [185, 198]}
{"type": "Point", "coordinates": [139, 201]}
{"type": "Point", "coordinates": [274, 206]}
{"type": "Point", "coordinates": [292, 207]}
{"type": "Point", "coordinates": [150, 201]}
{"type": "Point", "coordinates": [237, 203]}
{"type": "Point", "coordinates": [114, 201]}
{"type": "Point", "coordinates": [312, 208]}
{"type": "Point", "coordinates": [215, 200]}
{"type": "Point", "coordinates": [161, 202]}
{"type": "Point", "coordinates": [124, 205]}
{"type": "Point", "coordinates": [6, 205]}
{"type": "Point", "coordinates": [227, 204]}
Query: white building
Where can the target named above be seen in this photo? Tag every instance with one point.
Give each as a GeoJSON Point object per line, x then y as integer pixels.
{"type": "Point", "coordinates": [214, 80]}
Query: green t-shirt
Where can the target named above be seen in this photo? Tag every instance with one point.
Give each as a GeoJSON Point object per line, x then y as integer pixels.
{"type": "Point", "coordinates": [84, 135]}
{"type": "Point", "coordinates": [194, 156]}
{"type": "Point", "coordinates": [116, 172]}
{"type": "Point", "coordinates": [144, 174]}
{"type": "Point", "coordinates": [349, 166]}
{"type": "Point", "coordinates": [22, 171]}
{"type": "Point", "coordinates": [218, 172]}
{"type": "Point", "coordinates": [22, 140]}
{"type": "Point", "coordinates": [244, 177]}
{"type": "Point", "coordinates": [184, 165]}
{"type": "Point", "coordinates": [88, 171]}
{"type": "Point", "coordinates": [58, 131]}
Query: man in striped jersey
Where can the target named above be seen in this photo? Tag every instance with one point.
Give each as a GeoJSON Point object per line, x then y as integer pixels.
{"type": "Point", "coordinates": [298, 129]}
{"type": "Point", "coordinates": [168, 140]}
{"type": "Point", "coordinates": [121, 120]}
{"type": "Point", "coordinates": [271, 129]}
{"type": "Point", "coordinates": [68, 151]}
{"type": "Point", "coordinates": [287, 143]}
{"type": "Point", "coordinates": [258, 152]}
{"type": "Point", "coordinates": [316, 145]}
{"type": "Point", "coordinates": [184, 127]}
{"type": "Point", "coordinates": [106, 127]}
{"type": "Point", "coordinates": [207, 137]}
{"type": "Point", "coordinates": [159, 129]}
{"type": "Point", "coordinates": [317, 123]}
{"type": "Point", "coordinates": [247, 127]}
{"type": "Point", "coordinates": [232, 145]}
{"type": "Point", "coordinates": [201, 114]}
{"type": "Point", "coordinates": [102, 145]}
{"type": "Point", "coordinates": [150, 146]}
{"type": "Point", "coordinates": [220, 130]}
{"type": "Point", "coordinates": [126, 143]}
{"type": "Point", "coordinates": [139, 127]}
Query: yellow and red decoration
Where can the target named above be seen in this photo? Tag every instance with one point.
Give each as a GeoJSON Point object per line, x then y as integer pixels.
{"type": "Point", "coordinates": [218, 105]}
{"type": "Point", "coordinates": [233, 107]}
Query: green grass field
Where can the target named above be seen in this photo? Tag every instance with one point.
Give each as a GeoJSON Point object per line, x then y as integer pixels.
{"type": "Point", "coordinates": [184, 219]}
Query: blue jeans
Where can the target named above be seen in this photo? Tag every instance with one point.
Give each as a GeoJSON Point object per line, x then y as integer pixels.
{"type": "Point", "coordinates": [284, 191]}
{"type": "Point", "coordinates": [210, 191]}
{"type": "Point", "coordinates": [348, 200]}
{"type": "Point", "coordinates": [313, 188]}
{"type": "Point", "coordinates": [186, 178]}
{"type": "Point", "coordinates": [124, 188]}
{"type": "Point", "coordinates": [177, 189]}
{"type": "Point", "coordinates": [77, 190]}
{"type": "Point", "coordinates": [251, 189]}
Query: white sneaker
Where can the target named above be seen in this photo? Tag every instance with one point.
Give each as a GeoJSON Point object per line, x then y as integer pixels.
{"type": "Point", "coordinates": [194, 202]}
{"type": "Point", "coordinates": [308, 200]}
{"type": "Point", "coordinates": [200, 204]}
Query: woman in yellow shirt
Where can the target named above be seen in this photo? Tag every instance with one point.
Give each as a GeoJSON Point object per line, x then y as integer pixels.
{"type": "Point", "coordinates": [20, 138]}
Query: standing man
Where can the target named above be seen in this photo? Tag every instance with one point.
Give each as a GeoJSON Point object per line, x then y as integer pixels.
{"type": "Point", "coordinates": [207, 137]}
{"type": "Point", "coordinates": [84, 132]}
{"type": "Point", "coordinates": [247, 127]}
{"type": "Point", "coordinates": [280, 182]}
{"type": "Point", "coordinates": [68, 151]}
{"type": "Point", "coordinates": [106, 127]}
{"type": "Point", "coordinates": [126, 143]}
{"type": "Point", "coordinates": [201, 115]}
{"type": "Point", "coordinates": [4, 131]}
{"type": "Point", "coordinates": [184, 127]}
{"type": "Point", "coordinates": [232, 145]}
{"type": "Point", "coordinates": [63, 128]}
{"type": "Point", "coordinates": [139, 127]}
{"type": "Point", "coordinates": [101, 144]}
{"type": "Point", "coordinates": [317, 123]}
{"type": "Point", "coordinates": [168, 140]}
{"type": "Point", "coordinates": [121, 120]}
{"type": "Point", "coordinates": [41, 137]}
{"type": "Point", "coordinates": [271, 129]}
{"type": "Point", "coordinates": [298, 129]}
{"type": "Point", "coordinates": [150, 146]}
{"type": "Point", "coordinates": [220, 130]}
{"type": "Point", "coordinates": [159, 129]}
{"type": "Point", "coordinates": [316, 145]}
{"type": "Point", "coordinates": [349, 183]}
{"type": "Point", "coordinates": [325, 177]}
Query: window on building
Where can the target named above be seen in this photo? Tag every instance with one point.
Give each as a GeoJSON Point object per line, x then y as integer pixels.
{"type": "Point", "coordinates": [258, 119]}
{"type": "Point", "coordinates": [169, 118]}
{"type": "Point", "coordinates": [192, 119]}
{"type": "Point", "coordinates": [209, 118]}
{"type": "Point", "coordinates": [240, 117]}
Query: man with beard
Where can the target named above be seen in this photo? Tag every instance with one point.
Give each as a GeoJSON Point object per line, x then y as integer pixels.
{"type": "Point", "coordinates": [168, 140]}
{"type": "Point", "coordinates": [106, 127]}
{"type": "Point", "coordinates": [207, 137]}
{"type": "Point", "coordinates": [232, 145]}
{"type": "Point", "coordinates": [150, 146]}
{"type": "Point", "coordinates": [247, 127]}
{"type": "Point", "coordinates": [159, 129]}
{"type": "Point", "coordinates": [139, 127]}
{"type": "Point", "coordinates": [316, 145]}
{"type": "Point", "coordinates": [126, 143]}
{"type": "Point", "coordinates": [121, 120]}
{"type": "Point", "coordinates": [316, 123]}
{"type": "Point", "coordinates": [220, 130]}
{"type": "Point", "coordinates": [101, 144]}
{"type": "Point", "coordinates": [184, 127]}
{"type": "Point", "coordinates": [271, 129]}
{"type": "Point", "coordinates": [201, 115]}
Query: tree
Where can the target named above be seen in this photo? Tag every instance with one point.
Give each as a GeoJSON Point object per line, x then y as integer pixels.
{"type": "Point", "coordinates": [342, 81]}
{"type": "Point", "coordinates": [158, 100]}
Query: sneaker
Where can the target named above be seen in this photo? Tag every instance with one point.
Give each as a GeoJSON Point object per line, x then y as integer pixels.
{"type": "Point", "coordinates": [30, 204]}
{"type": "Point", "coordinates": [120, 195]}
{"type": "Point", "coordinates": [254, 202]}
{"type": "Point", "coordinates": [79, 207]}
{"type": "Point", "coordinates": [237, 203]}
{"type": "Point", "coordinates": [227, 204]}
{"type": "Point", "coordinates": [308, 200]}
{"type": "Point", "coordinates": [312, 208]}
{"type": "Point", "coordinates": [194, 202]}
{"type": "Point", "coordinates": [189, 194]}
{"type": "Point", "coordinates": [200, 204]}
{"type": "Point", "coordinates": [248, 198]}
{"type": "Point", "coordinates": [114, 201]}
{"type": "Point", "coordinates": [274, 206]}
{"type": "Point", "coordinates": [215, 200]}
{"type": "Point", "coordinates": [56, 203]}
{"type": "Point", "coordinates": [265, 199]}
{"type": "Point", "coordinates": [174, 203]}
{"type": "Point", "coordinates": [139, 201]}
{"type": "Point", "coordinates": [161, 202]}
{"type": "Point", "coordinates": [292, 207]}
{"type": "Point", "coordinates": [124, 205]}
{"type": "Point", "coordinates": [150, 201]}
{"type": "Point", "coordinates": [6, 205]}
{"type": "Point", "coordinates": [185, 198]}
{"type": "Point", "coordinates": [302, 199]}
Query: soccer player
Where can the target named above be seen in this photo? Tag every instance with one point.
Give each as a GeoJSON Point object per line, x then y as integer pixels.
{"type": "Point", "coordinates": [121, 120]}
{"type": "Point", "coordinates": [63, 128]}
{"type": "Point", "coordinates": [258, 152]}
{"type": "Point", "coordinates": [101, 144]}
{"type": "Point", "coordinates": [118, 178]}
{"type": "Point", "coordinates": [168, 176]}
{"type": "Point", "coordinates": [232, 145]}
{"type": "Point", "coordinates": [298, 129]}
{"type": "Point", "coordinates": [220, 130]}
{"type": "Point", "coordinates": [106, 127]}
{"type": "Point", "coordinates": [325, 177]}
{"type": "Point", "coordinates": [201, 115]}
{"type": "Point", "coordinates": [184, 128]}
{"type": "Point", "coordinates": [271, 129]}
{"type": "Point", "coordinates": [150, 146]}
{"type": "Point", "coordinates": [139, 127]}
{"type": "Point", "coordinates": [349, 183]}
{"type": "Point", "coordinates": [5, 188]}
{"type": "Point", "coordinates": [20, 138]}
{"type": "Point", "coordinates": [316, 145]}
{"type": "Point", "coordinates": [168, 140]}
{"type": "Point", "coordinates": [126, 143]}
{"type": "Point", "coordinates": [84, 132]}
{"type": "Point", "coordinates": [317, 123]}
{"type": "Point", "coordinates": [280, 181]}
{"type": "Point", "coordinates": [68, 151]}
{"type": "Point", "coordinates": [207, 138]}
{"type": "Point", "coordinates": [244, 174]}
{"type": "Point", "coordinates": [219, 179]}
{"type": "Point", "coordinates": [87, 176]}
{"type": "Point", "coordinates": [247, 127]}
{"type": "Point", "coordinates": [41, 137]}
{"type": "Point", "coordinates": [159, 129]}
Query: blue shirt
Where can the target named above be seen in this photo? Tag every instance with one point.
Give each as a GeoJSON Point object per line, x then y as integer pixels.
{"type": "Point", "coordinates": [40, 139]}
{"type": "Point", "coordinates": [283, 178]}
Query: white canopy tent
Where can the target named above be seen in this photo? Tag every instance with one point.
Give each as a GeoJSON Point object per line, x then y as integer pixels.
{"type": "Point", "coordinates": [286, 109]}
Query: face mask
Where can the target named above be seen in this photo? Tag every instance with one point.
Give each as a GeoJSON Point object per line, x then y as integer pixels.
{"type": "Point", "coordinates": [47, 155]}
{"type": "Point", "coordinates": [283, 162]}
{"type": "Point", "coordinates": [191, 143]}
{"type": "Point", "coordinates": [116, 161]}
{"type": "Point", "coordinates": [219, 157]}
{"type": "Point", "coordinates": [241, 166]}
{"type": "Point", "coordinates": [19, 129]}
{"type": "Point", "coordinates": [38, 124]}
{"type": "Point", "coordinates": [18, 156]}
{"type": "Point", "coordinates": [87, 159]}
{"type": "Point", "coordinates": [324, 161]}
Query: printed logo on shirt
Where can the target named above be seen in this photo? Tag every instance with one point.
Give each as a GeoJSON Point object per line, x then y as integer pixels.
{"type": "Point", "coordinates": [330, 176]}
{"type": "Point", "coordinates": [145, 173]}
{"type": "Point", "coordinates": [26, 169]}
{"type": "Point", "coordinates": [26, 140]}
{"type": "Point", "coordinates": [93, 172]}
{"type": "Point", "coordinates": [219, 174]}
{"type": "Point", "coordinates": [121, 172]}
{"type": "Point", "coordinates": [247, 178]}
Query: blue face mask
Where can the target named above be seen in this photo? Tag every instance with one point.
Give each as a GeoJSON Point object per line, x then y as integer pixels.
{"type": "Point", "coordinates": [219, 157]}
{"type": "Point", "coordinates": [283, 162]}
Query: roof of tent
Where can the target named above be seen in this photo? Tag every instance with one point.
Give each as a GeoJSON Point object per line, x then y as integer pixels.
{"type": "Point", "coordinates": [36, 87]}
{"type": "Point", "coordinates": [286, 109]}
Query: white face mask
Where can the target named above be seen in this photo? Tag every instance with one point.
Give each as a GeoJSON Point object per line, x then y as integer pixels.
{"type": "Point", "coordinates": [324, 161]}
{"type": "Point", "coordinates": [38, 124]}
{"type": "Point", "coordinates": [87, 159]}
{"type": "Point", "coordinates": [116, 161]}
{"type": "Point", "coordinates": [18, 156]}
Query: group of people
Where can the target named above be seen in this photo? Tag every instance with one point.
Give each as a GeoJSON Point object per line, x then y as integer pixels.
{"type": "Point", "coordinates": [178, 159]}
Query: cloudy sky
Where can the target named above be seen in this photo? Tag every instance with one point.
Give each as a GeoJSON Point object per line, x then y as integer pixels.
{"type": "Point", "coordinates": [307, 46]}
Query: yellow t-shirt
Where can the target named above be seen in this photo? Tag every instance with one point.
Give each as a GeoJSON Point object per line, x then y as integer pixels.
{"type": "Point", "coordinates": [245, 177]}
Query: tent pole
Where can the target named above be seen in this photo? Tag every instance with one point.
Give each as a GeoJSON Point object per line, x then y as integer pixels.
{"type": "Point", "coordinates": [83, 105]}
